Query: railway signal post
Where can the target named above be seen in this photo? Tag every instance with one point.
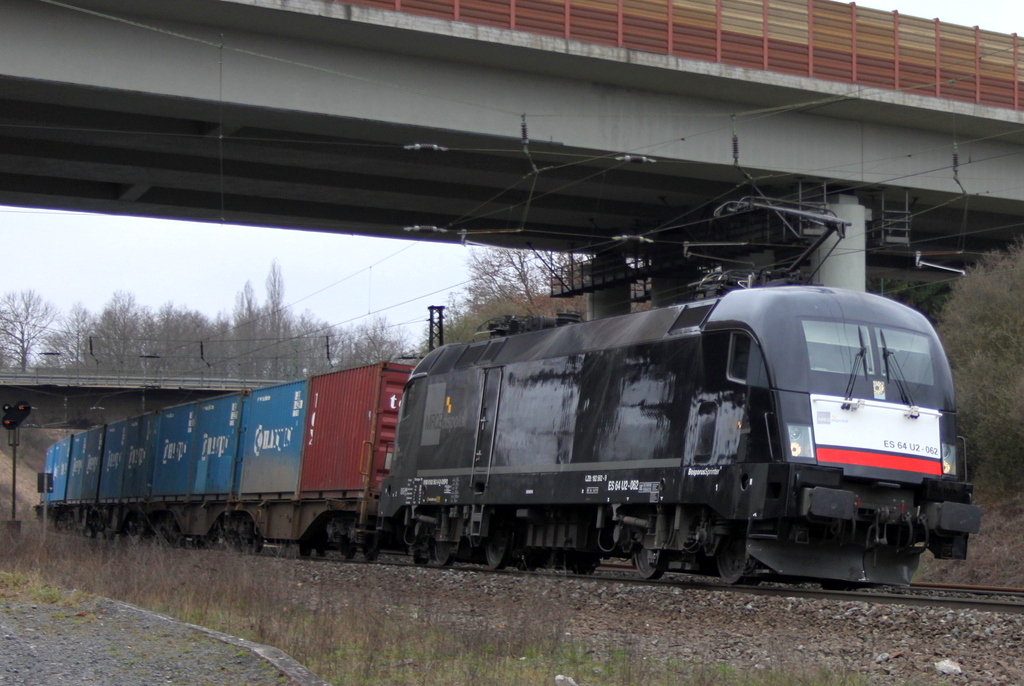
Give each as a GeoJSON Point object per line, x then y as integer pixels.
{"type": "Point", "coordinates": [14, 415]}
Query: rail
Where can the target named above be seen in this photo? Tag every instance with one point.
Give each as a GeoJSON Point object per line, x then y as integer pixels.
{"type": "Point", "coordinates": [814, 38]}
{"type": "Point", "coordinates": [106, 380]}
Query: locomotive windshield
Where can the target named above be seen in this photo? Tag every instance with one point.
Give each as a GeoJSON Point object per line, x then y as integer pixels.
{"type": "Point", "coordinates": [869, 361]}
{"type": "Point", "coordinates": [843, 348]}
{"type": "Point", "coordinates": [840, 343]}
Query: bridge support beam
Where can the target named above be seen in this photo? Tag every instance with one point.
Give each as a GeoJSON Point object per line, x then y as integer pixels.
{"type": "Point", "coordinates": [673, 274]}
{"type": "Point", "coordinates": [846, 266]}
{"type": "Point", "coordinates": [614, 299]}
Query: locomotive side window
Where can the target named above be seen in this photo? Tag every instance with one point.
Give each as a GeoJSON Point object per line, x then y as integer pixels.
{"type": "Point", "coordinates": [739, 358]}
{"type": "Point", "coordinates": [746, 366]}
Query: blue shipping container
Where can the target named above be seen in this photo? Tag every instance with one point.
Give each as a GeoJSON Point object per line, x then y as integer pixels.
{"type": "Point", "coordinates": [84, 466]}
{"type": "Point", "coordinates": [113, 460]}
{"type": "Point", "coordinates": [174, 452]}
{"type": "Point", "coordinates": [139, 447]}
{"type": "Point", "coordinates": [218, 423]}
{"type": "Point", "coordinates": [57, 456]}
{"type": "Point", "coordinates": [272, 441]}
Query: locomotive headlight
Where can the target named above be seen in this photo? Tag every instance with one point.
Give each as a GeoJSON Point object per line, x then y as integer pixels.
{"type": "Point", "coordinates": [949, 459]}
{"type": "Point", "coordinates": [801, 443]}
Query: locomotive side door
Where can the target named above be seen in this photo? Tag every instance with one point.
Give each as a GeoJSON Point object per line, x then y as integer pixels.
{"type": "Point", "coordinates": [484, 447]}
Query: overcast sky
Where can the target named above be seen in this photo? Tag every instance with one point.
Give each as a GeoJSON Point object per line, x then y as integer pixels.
{"type": "Point", "coordinates": [72, 258]}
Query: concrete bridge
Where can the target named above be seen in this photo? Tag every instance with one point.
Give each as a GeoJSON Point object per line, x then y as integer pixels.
{"type": "Point", "coordinates": [610, 128]}
{"type": "Point", "coordinates": [79, 399]}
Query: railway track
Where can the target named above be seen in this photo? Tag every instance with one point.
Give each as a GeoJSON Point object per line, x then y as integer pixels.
{"type": "Point", "coordinates": [951, 596]}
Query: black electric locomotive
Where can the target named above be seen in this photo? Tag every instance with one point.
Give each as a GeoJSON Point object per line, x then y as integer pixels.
{"type": "Point", "coordinates": [788, 432]}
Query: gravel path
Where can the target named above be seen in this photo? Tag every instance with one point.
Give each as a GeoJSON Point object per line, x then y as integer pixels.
{"type": "Point", "coordinates": [83, 641]}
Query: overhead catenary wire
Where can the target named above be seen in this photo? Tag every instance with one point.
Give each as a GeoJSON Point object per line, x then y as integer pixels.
{"type": "Point", "coordinates": [751, 113]}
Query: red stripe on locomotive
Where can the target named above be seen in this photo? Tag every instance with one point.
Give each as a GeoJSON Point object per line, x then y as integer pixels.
{"type": "Point", "coordinates": [884, 460]}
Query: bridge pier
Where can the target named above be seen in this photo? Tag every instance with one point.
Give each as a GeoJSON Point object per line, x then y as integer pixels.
{"type": "Point", "coordinates": [846, 266]}
{"type": "Point", "coordinates": [614, 299]}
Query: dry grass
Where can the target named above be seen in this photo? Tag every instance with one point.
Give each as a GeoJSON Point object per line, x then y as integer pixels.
{"type": "Point", "coordinates": [995, 556]}
{"type": "Point", "coordinates": [354, 637]}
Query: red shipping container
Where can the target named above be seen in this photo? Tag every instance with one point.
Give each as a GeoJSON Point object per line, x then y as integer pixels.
{"type": "Point", "coordinates": [350, 429]}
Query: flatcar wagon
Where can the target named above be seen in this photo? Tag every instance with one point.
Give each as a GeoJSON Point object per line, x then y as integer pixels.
{"type": "Point", "coordinates": [299, 462]}
{"type": "Point", "coordinates": [788, 432]}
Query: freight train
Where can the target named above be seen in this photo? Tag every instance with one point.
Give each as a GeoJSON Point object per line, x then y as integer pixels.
{"type": "Point", "coordinates": [299, 462]}
{"type": "Point", "coordinates": [790, 432]}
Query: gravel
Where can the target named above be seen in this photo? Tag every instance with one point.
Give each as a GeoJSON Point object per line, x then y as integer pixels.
{"type": "Point", "coordinates": [99, 641]}
{"type": "Point", "coordinates": [879, 643]}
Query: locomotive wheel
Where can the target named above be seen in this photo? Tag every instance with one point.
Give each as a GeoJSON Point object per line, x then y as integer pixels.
{"type": "Point", "coordinates": [444, 552]}
{"type": "Point", "coordinates": [645, 562]}
{"type": "Point", "coordinates": [498, 549]}
{"type": "Point", "coordinates": [733, 561]}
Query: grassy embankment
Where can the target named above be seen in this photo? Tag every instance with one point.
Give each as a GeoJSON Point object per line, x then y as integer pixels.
{"type": "Point", "coordinates": [356, 636]}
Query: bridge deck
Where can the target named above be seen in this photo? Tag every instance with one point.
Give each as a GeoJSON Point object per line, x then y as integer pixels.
{"type": "Point", "coordinates": [85, 379]}
{"type": "Point", "coordinates": [815, 38]}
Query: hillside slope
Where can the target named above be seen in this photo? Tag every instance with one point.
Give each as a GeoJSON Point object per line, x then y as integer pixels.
{"type": "Point", "coordinates": [995, 556]}
{"type": "Point", "coordinates": [31, 458]}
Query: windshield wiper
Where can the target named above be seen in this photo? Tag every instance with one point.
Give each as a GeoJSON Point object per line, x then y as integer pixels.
{"type": "Point", "coordinates": [901, 382]}
{"type": "Point", "coordinates": [862, 358]}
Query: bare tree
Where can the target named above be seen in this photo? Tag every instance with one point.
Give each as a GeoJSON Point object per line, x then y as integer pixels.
{"type": "Point", "coordinates": [70, 337]}
{"type": "Point", "coordinates": [506, 282]}
{"type": "Point", "coordinates": [119, 333]}
{"type": "Point", "coordinates": [25, 319]}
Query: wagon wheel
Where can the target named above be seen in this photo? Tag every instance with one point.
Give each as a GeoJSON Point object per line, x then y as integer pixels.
{"type": "Point", "coordinates": [646, 563]}
{"type": "Point", "coordinates": [347, 548]}
{"type": "Point", "coordinates": [135, 530]}
{"type": "Point", "coordinates": [733, 561]}
{"type": "Point", "coordinates": [498, 549]}
{"type": "Point", "coordinates": [444, 552]}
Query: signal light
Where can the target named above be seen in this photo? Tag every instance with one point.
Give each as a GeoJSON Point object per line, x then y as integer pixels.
{"type": "Point", "coordinates": [15, 414]}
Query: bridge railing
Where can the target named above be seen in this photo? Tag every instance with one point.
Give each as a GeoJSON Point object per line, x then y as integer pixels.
{"type": "Point", "coordinates": [814, 38]}
{"type": "Point", "coordinates": [101, 379]}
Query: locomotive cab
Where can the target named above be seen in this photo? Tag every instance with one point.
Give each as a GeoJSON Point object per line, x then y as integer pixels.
{"type": "Point", "coordinates": [864, 414]}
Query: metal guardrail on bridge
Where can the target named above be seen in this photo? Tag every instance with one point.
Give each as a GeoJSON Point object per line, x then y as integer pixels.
{"type": "Point", "coordinates": [113, 380]}
{"type": "Point", "coordinates": [815, 38]}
